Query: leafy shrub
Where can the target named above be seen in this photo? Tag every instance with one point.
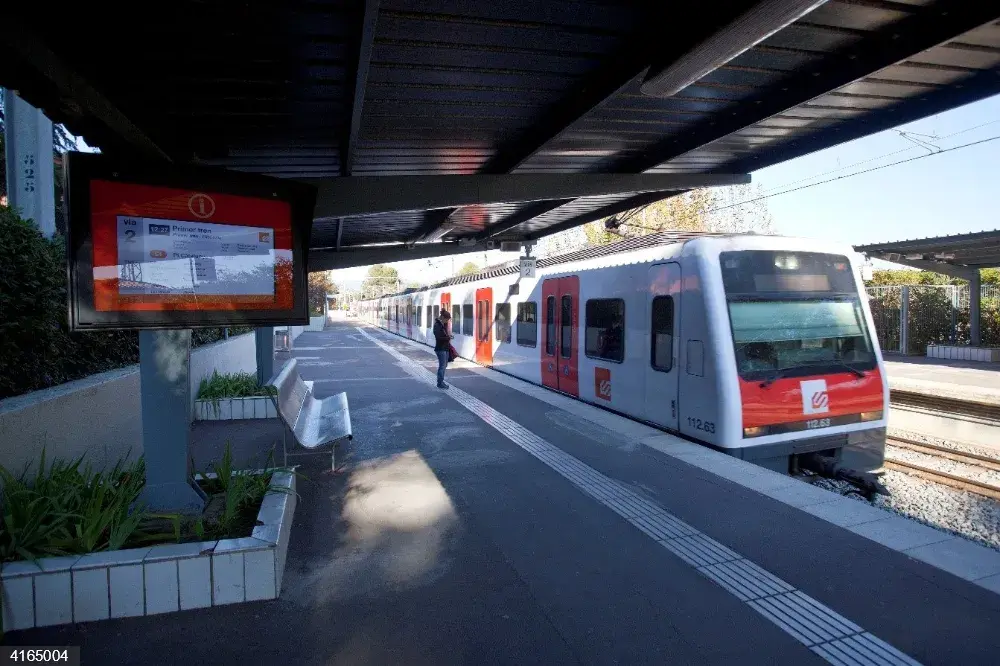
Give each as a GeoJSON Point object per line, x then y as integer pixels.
{"type": "Point", "coordinates": [231, 385]}
{"type": "Point", "coordinates": [68, 508]}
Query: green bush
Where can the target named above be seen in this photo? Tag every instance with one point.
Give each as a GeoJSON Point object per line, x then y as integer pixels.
{"type": "Point", "coordinates": [36, 348]}
{"type": "Point", "coordinates": [68, 508]}
{"type": "Point", "coordinates": [234, 385]}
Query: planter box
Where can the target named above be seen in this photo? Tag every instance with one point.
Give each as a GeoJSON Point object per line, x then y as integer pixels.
{"type": "Point", "coordinates": [964, 353]}
{"type": "Point", "coordinates": [317, 323]}
{"type": "Point", "coordinates": [227, 409]}
{"type": "Point", "coordinates": [160, 579]}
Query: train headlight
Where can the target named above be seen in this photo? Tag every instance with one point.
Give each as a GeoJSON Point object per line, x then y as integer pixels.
{"type": "Point", "coordinates": [755, 431]}
{"type": "Point", "coordinates": [871, 416]}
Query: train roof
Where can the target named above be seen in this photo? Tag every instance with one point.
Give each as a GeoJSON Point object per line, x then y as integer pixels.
{"type": "Point", "coordinates": [662, 238]}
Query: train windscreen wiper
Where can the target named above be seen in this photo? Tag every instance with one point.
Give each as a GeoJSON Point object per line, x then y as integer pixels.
{"type": "Point", "coordinates": [775, 376]}
{"type": "Point", "coordinates": [842, 364]}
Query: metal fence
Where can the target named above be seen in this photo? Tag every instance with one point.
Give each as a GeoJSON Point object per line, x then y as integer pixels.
{"type": "Point", "coordinates": [909, 318]}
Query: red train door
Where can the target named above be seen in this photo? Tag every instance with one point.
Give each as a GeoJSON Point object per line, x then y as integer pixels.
{"type": "Point", "coordinates": [484, 326]}
{"type": "Point", "coordinates": [446, 307]}
{"type": "Point", "coordinates": [560, 326]}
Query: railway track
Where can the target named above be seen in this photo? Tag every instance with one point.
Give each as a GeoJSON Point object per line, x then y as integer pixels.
{"type": "Point", "coordinates": [945, 478]}
{"type": "Point", "coordinates": [951, 406]}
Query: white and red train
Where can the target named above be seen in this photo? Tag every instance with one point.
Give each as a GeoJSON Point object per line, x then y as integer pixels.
{"type": "Point", "coordinates": [759, 346]}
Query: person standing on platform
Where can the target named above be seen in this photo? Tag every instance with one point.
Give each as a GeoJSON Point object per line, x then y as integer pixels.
{"type": "Point", "coordinates": [442, 345]}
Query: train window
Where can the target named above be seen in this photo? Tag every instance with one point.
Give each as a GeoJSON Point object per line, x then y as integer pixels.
{"type": "Point", "coordinates": [566, 321]}
{"type": "Point", "coordinates": [484, 320]}
{"type": "Point", "coordinates": [467, 318]}
{"type": "Point", "coordinates": [503, 322]}
{"type": "Point", "coordinates": [527, 324]}
{"type": "Point", "coordinates": [437, 311]}
{"type": "Point", "coordinates": [456, 319]}
{"type": "Point", "coordinates": [397, 314]}
{"type": "Point", "coordinates": [605, 337]}
{"type": "Point", "coordinates": [662, 339]}
{"type": "Point", "coordinates": [550, 326]}
{"type": "Point", "coordinates": [430, 317]}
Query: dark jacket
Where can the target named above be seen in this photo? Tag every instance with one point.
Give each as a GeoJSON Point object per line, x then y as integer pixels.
{"type": "Point", "coordinates": [441, 340]}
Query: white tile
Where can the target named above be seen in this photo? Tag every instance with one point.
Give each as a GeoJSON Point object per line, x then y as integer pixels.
{"type": "Point", "coordinates": [90, 595]}
{"type": "Point", "coordinates": [963, 558]}
{"type": "Point", "coordinates": [227, 578]}
{"type": "Point", "coordinates": [110, 558]}
{"type": "Point", "coordinates": [195, 574]}
{"type": "Point", "coordinates": [899, 533]}
{"type": "Point", "coordinates": [259, 576]}
{"type": "Point", "coordinates": [53, 599]}
{"type": "Point", "coordinates": [128, 597]}
{"type": "Point", "coordinates": [845, 512]}
{"type": "Point", "coordinates": [260, 408]}
{"type": "Point", "coordinates": [173, 551]}
{"type": "Point", "coordinates": [225, 410]}
{"type": "Point", "coordinates": [18, 603]}
{"type": "Point", "coordinates": [161, 587]}
{"type": "Point", "coordinates": [19, 569]}
{"type": "Point", "coordinates": [272, 411]}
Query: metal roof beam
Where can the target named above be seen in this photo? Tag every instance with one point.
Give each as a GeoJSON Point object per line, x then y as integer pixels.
{"type": "Point", "coordinates": [341, 197]}
{"type": "Point", "coordinates": [927, 28]}
{"type": "Point", "coordinates": [610, 79]}
{"type": "Point", "coordinates": [330, 259]}
{"type": "Point", "coordinates": [960, 272]}
{"type": "Point", "coordinates": [362, 62]}
{"type": "Point", "coordinates": [521, 217]}
{"type": "Point", "coordinates": [80, 98]}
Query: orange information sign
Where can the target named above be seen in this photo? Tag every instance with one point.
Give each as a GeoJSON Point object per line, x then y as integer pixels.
{"type": "Point", "coordinates": [172, 247]}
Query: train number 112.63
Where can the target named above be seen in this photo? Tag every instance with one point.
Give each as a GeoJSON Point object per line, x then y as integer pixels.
{"type": "Point", "coordinates": [698, 424]}
{"type": "Point", "coordinates": [818, 423]}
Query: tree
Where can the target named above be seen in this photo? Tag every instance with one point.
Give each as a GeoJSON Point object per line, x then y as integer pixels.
{"type": "Point", "coordinates": [738, 209]}
{"type": "Point", "coordinates": [320, 285]}
{"type": "Point", "coordinates": [381, 280]}
{"type": "Point", "coordinates": [469, 268]}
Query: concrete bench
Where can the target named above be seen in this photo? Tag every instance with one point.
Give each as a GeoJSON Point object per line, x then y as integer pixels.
{"type": "Point", "coordinates": [314, 422]}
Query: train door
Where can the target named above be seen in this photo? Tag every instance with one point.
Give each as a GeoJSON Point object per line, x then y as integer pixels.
{"type": "Point", "coordinates": [560, 326]}
{"type": "Point", "coordinates": [484, 326]}
{"type": "Point", "coordinates": [409, 317]}
{"type": "Point", "coordinates": [446, 306]}
{"type": "Point", "coordinates": [660, 369]}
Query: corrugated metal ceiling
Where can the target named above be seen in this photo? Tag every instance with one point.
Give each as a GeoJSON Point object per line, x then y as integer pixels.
{"type": "Point", "coordinates": [500, 86]}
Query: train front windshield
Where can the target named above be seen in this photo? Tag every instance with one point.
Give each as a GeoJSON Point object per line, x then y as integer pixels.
{"type": "Point", "coordinates": [795, 314]}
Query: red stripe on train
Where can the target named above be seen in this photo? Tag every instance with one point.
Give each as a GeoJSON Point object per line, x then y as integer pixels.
{"type": "Point", "coordinates": [825, 396]}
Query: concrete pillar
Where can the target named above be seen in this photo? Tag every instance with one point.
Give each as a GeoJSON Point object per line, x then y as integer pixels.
{"type": "Point", "coordinates": [975, 298]}
{"type": "Point", "coordinates": [265, 352]}
{"type": "Point", "coordinates": [165, 392]}
{"type": "Point", "coordinates": [904, 321]}
{"type": "Point", "coordinates": [30, 172]}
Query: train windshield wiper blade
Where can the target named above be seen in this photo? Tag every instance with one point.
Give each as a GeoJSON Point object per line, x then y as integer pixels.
{"type": "Point", "coordinates": [845, 366]}
{"type": "Point", "coordinates": [778, 374]}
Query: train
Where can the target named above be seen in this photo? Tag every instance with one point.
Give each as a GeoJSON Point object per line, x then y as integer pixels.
{"type": "Point", "coordinates": [758, 346]}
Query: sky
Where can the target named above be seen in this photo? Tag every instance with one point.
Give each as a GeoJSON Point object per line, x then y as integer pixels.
{"type": "Point", "coordinates": [946, 193]}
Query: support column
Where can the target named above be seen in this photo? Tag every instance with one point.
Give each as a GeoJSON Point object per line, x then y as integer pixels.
{"type": "Point", "coordinates": [904, 321]}
{"type": "Point", "coordinates": [265, 352]}
{"type": "Point", "coordinates": [30, 172]}
{"type": "Point", "coordinates": [165, 390]}
{"type": "Point", "coordinates": [975, 296]}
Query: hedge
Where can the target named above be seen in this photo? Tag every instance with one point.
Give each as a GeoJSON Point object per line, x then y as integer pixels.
{"type": "Point", "coordinates": [37, 350]}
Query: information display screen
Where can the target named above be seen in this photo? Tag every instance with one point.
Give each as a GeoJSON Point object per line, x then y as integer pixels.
{"type": "Point", "coordinates": [150, 254]}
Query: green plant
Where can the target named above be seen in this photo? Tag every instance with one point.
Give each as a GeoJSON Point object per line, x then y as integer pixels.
{"type": "Point", "coordinates": [231, 385]}
{"type": "Point", "coordinates": [67, 507]}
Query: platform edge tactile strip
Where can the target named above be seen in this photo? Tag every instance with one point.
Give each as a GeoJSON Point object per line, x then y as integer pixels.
{"type": "Point", "coordinates": [829, 635]}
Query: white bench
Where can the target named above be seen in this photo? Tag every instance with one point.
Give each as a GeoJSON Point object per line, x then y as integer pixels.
{"type": "Point", "coordinates": [314, 422]}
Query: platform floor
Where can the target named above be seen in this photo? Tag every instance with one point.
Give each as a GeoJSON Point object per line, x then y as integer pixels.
{"type": "Point", "coordinates": [980, 381]}
{"type": "Point", "coordinates": [484, 525]}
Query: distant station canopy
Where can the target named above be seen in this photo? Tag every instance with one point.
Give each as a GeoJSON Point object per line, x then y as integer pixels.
{"type": "Point", "coordinates": [960, 256]}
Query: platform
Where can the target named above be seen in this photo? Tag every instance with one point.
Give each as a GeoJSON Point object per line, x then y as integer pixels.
{"type": "Point", "coordinates": [962, 380]}
{"type": "Point", "coordinates": [954, 401]}
{"type": "Point", "coordinates": [500, 523]}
